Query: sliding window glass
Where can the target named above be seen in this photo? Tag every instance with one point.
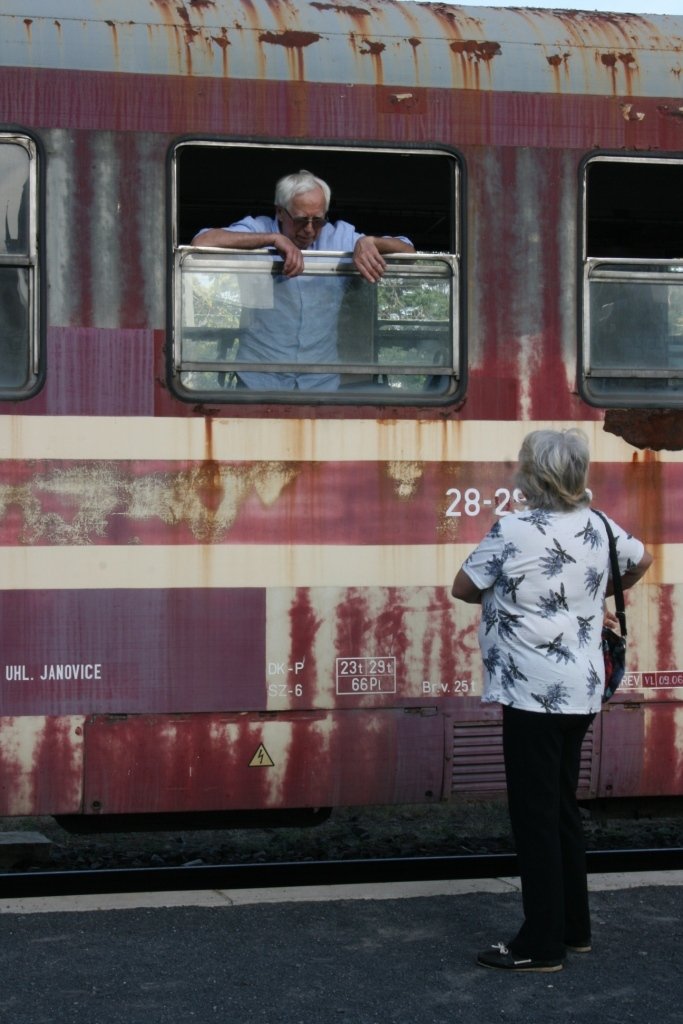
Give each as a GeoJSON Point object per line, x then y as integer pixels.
{"type": "Point", "coordinates": [632, 296]}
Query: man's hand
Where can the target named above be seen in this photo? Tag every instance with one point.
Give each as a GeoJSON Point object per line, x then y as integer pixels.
{"type": "Point", "coordinates": [293, 257]}
{"type": "Point", "coordinates": [368, 260]}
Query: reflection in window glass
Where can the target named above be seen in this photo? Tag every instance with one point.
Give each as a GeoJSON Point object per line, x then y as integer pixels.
{"type": "Point", "coordinates": [14, 327]}
{"type": "Point", "coordinates": [244, 327]}
{"type": "Point", "coordinates": [634, 323]}
{"type": "Point", "coordinates": [18, 267]}
{"type": "Point", "coordinates": [14, 181]}
{"type": "Point", "coordinates": [633, 282]}
{"type": "Point", "coordinates": [636, 331]}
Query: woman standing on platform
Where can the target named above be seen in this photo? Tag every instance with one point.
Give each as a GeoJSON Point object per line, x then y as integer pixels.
{"type": "Point", "coordinates": [541, 575]}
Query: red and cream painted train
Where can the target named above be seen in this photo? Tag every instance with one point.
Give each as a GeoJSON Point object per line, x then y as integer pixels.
{"type": "Point", "coordinates": [217, 598]}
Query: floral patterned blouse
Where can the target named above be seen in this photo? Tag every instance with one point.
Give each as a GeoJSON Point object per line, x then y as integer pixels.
{"type": "Point", "coordinates": [543, 576]}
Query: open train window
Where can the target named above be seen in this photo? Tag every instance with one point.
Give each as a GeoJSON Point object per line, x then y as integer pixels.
{"type": "Point", "coordinates": [243, 332]}
{"type": "Point", "coordinates": [19, 267]}
{"type": "Point", "coordinates": [632, 295]}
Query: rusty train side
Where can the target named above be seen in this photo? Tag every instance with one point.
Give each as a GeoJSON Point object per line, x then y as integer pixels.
{"type": "Point", "coordinates": [212, 604]}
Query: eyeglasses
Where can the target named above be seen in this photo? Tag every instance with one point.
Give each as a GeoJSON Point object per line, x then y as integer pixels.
{"type": "Point", "coordinates": [300, 223]}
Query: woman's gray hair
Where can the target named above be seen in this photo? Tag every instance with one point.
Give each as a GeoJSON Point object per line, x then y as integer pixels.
{"type": "Point", "coordinates": [553, 469]}
{"type": "Point", "coordinates": [295, 184]}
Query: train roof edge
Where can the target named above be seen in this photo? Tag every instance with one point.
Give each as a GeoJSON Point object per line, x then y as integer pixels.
{"type": "Point", "coordinates": [382, 42]}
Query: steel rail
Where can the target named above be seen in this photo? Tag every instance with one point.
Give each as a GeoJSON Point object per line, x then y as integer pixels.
{"type": "Point", "coordinates": [306, 873]}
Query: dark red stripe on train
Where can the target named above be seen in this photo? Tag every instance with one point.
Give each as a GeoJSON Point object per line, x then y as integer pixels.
{"type": "Point", "coordinates": [355, 503]}
{"type": "Point", "coordinates": [106, 101]}
{"type": "Point", "coordinates": [108, 651]}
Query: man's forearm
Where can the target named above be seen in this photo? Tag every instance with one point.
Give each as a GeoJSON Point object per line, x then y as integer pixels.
{"type": "Point", "coordinates": [222, 239]}
{"type": "Point", "coordinates": [388, 245]}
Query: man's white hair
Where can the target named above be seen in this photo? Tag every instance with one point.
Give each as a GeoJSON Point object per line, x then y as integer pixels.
{"type": "Point", "coordinates": [296, 184]}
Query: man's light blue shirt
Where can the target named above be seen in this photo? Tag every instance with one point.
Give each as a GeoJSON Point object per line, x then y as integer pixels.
{"type": "Point", "coordinates": [300, 325]}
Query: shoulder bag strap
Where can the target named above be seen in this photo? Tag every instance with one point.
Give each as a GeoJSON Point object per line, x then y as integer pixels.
{"type": "Point", "coordinates": [616, 575]}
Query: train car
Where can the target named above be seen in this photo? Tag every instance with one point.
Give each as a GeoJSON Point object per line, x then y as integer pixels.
{"type": "Point", "coordinates": [218, 598]}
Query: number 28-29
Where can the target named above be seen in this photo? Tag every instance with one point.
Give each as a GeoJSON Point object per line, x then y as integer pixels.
{"type": "Point", "coordinates": [471, 503]}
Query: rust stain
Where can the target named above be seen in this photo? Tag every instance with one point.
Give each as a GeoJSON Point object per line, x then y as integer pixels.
{"type": "Point", "coordinates": [656, 429]}
{"type": "Point", "coordinates": [613, 59]}
{"type": "Point", "coordinates": [453, 19]}
{"type": "Point", "coordinates": [304, 627]}
{"type": "Point", "coordinates": [210, 487]}
{"type": "Point", "coordinates": [666, 626]}
{"type": "Point", "coordinates": [294, 42]}
{"type": "Point", "coordinates": [223, 43]}
{"type": "Point", "coordinates": [415, 42]}
{"type": "Point", "coordinates": [557, 61]}
{"type": "Point", "coordinates": [253, 24]}
{"type": "Point", "coordinates": [476, 49]}
{"type": "Point", "coordinates": [115, 40]}
{"type": "Point", "coordinates": [610, 59]}
{"type": "Point", "coordinates": [172, 38]}
{"type": "Point", "coordinates": [355, 12]}
{"type": "Point", "coordinates": [201, 5]}
{"type": "Point", "coordinates": [646, 468]}
{"type": "Point", "coordinates": [291, 38]}
{"type": "Point", "coordinates": [373, 48]}
{"type": "Point", "coordinates": [222, 40]}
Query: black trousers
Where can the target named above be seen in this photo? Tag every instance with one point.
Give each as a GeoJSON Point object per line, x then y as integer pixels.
{"type": "Point", "coordinates": [542, 758]}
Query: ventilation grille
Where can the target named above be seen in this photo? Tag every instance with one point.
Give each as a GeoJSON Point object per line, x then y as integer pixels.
{"type": "Point", "coordinates": [478, 766]}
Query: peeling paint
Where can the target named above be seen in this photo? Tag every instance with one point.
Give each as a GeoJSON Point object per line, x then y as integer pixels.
{"type": "Point", "coordinates": [656, 429]}
{"type": "Point", "coordinates": [293, 39]}
{"type": "Point", "coordinates": [610, 59]}
{"type": "Point", "coordinates": [355, 12]}
{"type": "Point", "coordinates": [629, 114]}
{"type": "Point", "coordinates": [373, 48]}
{"type": "Point", "coordinates": [474, 49]}
{"type": "Point", "coordinates": [205, 498]}
{"type": "Point", "coordinates": [674, 112]}
{"type": "Point", "coordinates": [406, 476]}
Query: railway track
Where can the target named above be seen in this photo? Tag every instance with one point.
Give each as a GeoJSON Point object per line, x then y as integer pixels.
{"type": "Point", "coordinates": [331, 872]}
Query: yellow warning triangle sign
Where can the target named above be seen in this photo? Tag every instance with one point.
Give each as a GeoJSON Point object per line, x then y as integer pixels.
{"type": "Point", "coordinates": [261, 759]}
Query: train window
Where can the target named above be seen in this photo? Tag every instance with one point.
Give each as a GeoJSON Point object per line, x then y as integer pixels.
{"type": "Point", "coordinates": [242, 331]}
{"type": "Point", "coordinates": [19, 313]}
{"type": "Point", "coordinates": [632, 296]}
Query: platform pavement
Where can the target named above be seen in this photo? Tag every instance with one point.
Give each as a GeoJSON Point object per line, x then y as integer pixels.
{"type": "Point", "coordinates": [395, 954]}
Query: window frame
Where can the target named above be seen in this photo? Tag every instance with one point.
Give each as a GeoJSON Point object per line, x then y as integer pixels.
{"type": "Point", "coordinates": [392, 397]}
{"type": "Point", "coordinates": [595, 269]}
{"type": "Point", "coordinates": [33, 260]}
